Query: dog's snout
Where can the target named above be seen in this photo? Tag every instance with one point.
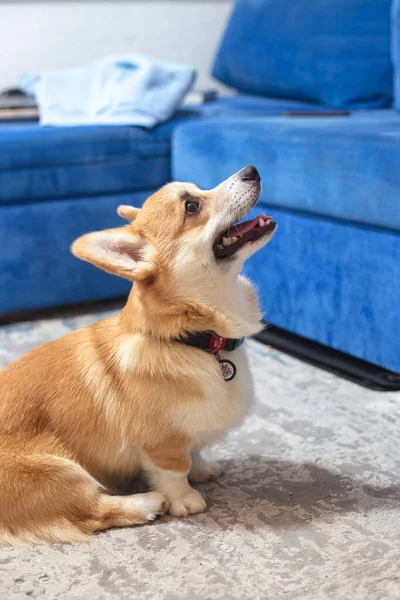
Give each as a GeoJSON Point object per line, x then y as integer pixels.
{"type": "Point", "coordinates": [249, 174]}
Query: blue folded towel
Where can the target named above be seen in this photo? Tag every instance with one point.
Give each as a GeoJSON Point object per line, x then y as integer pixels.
{"type": "Point", "coordinates": [117, 90]}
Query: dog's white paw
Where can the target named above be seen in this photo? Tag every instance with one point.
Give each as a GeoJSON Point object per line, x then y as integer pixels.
{"type": "Point", "coordinates": [153, 504]}
{"type": "Point", "coordinates": [190, 504]}
{"type": "Point", "coordinates": [205, 471]}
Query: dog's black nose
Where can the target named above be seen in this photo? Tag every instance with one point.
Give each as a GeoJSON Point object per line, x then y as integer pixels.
{"type": "Point", "coordinates": [250, 174]}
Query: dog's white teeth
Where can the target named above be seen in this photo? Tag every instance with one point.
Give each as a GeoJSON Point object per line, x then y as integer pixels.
{"type": "Point", "coordinates": [228, 241]}
{"type": "Point", "coordinates": [261, 222]}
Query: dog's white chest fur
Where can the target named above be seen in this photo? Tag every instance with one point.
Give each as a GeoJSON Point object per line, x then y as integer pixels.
{"type": "Point", "coordinates": [224, 404]}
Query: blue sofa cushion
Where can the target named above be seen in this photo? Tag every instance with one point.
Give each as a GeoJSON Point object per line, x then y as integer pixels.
{"type": "Point", "coordinates": [339, 167]}
{"type": "Point", "coordinates": [38, 164]}
{"type": "Point", "coordinates": [333, 282]}
{"type": "Point", "coordinates": [37, 269]}
{"type": "Point", "coordinates": [333, 51]}
{"type": "Point", "coordinates": [396, 50]}
{"type": "Point", "coordinates": [44, 163]}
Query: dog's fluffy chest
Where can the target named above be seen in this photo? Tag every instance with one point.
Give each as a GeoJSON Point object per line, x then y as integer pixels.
{"type": "Point", "coordinates": [223, 404]}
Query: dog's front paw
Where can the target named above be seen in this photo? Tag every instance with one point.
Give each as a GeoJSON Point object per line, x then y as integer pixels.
{"type": "Point", "coordinates": [191, 504]}
{"type": "Point", "coordinates": [205, 471]}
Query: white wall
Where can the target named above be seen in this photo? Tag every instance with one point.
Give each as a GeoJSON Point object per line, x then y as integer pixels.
{"type": "Point", "coordinates": [42, 35]}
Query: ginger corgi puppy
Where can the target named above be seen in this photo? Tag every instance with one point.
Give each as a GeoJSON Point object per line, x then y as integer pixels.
{"type": "Point", "coordinates": [144, 391]}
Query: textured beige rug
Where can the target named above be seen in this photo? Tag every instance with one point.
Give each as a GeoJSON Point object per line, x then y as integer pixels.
{"type": "Point", "coordinates": [308, 506]}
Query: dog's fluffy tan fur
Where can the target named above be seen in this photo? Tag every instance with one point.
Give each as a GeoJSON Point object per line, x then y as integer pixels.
{"type": "Point", "coordinates": [119, 397]}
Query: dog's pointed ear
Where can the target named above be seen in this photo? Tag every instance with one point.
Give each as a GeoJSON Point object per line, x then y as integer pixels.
{"type": "Point", "coordinates": [128, 212]}
{"type": "Point", "coordinates": [118, 251]}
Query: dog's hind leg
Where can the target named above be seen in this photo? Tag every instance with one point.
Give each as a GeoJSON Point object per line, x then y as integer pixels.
{"type": "Point", "coordinates": [125, 511]}
{"type": "Point", "coordinates": [47, 498]}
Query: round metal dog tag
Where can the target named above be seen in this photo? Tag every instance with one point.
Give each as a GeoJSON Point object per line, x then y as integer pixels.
{"type": "Point", "coordinates": [228, 370]}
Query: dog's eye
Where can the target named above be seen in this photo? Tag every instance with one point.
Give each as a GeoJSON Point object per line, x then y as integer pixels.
{"type": "Point", "coordinates": [192, 207]}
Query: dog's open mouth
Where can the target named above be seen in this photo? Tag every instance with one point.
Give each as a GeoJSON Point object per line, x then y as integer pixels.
{"type": "Point", "coordinates": [236, 236]}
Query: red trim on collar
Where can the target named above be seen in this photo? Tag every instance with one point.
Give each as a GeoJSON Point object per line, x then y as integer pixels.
{"type": "Point", "coordinates": [216, 344]}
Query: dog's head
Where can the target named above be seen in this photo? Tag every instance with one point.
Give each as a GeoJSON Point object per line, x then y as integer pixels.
{"type": "Point", "coordinates": [183, 236]}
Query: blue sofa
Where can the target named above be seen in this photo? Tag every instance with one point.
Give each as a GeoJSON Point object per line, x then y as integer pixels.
{"type": "Point", "coordinates": [332, 271]}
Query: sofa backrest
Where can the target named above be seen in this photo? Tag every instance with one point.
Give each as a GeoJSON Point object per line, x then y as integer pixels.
{"type": "Point", "coordinates": [332, 51]}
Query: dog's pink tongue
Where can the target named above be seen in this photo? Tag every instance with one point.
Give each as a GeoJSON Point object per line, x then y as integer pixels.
{"type": "Point", "coordinates": [243, 228]}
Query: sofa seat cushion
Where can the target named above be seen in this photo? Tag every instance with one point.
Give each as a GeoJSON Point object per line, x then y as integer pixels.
{"type": "Point", "coordinates": [46, 163]}
{"type": "Point", "coordinates": [346, 168]}
{"type": "Point", "coordinates": [332, 51]}
{"type": "Point", "coordinates": [333, 282]}
{"type": "Point", "coordinates": [42, 163]}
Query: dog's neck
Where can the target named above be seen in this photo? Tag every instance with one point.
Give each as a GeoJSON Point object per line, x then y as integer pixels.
{"type": "Point", "coordinates": [227, 307]}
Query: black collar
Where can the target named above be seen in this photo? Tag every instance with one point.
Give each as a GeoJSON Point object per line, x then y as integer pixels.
{"type": "Point", "coordinates": [211, 342]}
